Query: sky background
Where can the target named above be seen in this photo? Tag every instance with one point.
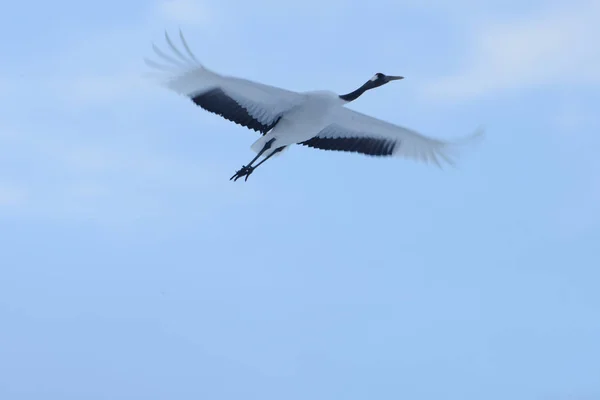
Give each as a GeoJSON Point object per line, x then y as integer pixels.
{"type": "Point", "coordinates": [132, 268]}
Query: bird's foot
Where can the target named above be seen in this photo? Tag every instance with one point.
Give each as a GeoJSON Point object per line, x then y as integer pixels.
{"type": "Point", "coordinates": [244, 171]}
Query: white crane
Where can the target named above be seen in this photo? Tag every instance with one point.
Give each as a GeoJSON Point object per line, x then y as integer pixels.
{"type": "Point", "coordinates": [316, 119]}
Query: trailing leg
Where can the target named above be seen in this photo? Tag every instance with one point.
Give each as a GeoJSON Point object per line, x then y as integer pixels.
{"type": "Point", "coordinates": [247, 170]}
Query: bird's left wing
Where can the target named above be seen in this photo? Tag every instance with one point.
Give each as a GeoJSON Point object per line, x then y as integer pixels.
{"type": "Point", "coordinates": [251, 104]}
{"type": "Point", "coordinates": [352, 131]}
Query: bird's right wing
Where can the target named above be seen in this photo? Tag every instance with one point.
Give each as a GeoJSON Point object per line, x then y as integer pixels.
{"type": "Point", "coordinates": [352, 131]}
{"type": "Point", "coordinates": [251, 104]}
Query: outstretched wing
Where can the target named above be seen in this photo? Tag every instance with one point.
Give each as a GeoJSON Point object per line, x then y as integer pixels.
{"type": "Point", "coordinates": [251, 104]}
{"type": "Point", "coordinates": [355, 132]}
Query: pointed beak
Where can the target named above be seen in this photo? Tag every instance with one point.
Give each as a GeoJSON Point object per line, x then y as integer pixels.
{"type": "Point", "coordinates": [394, 78]}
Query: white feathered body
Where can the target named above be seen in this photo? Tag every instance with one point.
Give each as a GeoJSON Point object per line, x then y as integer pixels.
{"type": "Point", "coordinates": [303, 122]}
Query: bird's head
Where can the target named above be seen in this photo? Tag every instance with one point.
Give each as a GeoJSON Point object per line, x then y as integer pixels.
{"type": "Point", "coordinates": [380, 79]}
{"type": "Point", "coordinates": [377, 80]}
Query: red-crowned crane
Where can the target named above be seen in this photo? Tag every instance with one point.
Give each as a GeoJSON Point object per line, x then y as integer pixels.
{"type": "Point", "coordinates": [316, 119]}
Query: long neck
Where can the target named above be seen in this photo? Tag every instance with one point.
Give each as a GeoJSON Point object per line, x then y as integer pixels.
{"type": "Point", "coordinates": [356, 94]}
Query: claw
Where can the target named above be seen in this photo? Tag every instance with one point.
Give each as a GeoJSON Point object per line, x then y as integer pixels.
{"type": "Point", "coordinates": [244, 171]}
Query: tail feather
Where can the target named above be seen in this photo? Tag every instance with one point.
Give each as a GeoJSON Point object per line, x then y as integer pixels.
{"type": "Point", "coordinates": [259, 144]}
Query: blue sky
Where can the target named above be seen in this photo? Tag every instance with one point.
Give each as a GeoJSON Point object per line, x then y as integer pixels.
{"type": "Point", "coordinates": [133, 268]}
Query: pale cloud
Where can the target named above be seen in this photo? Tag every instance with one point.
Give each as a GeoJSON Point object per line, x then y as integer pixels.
{"type": "Point", "coordinates": [577, 208]}
{"type": "Point", "coordinates": [190, 12]}
{"type": "Point", "coordinates": [101, 67]}
{"type": "Point", "coordinates": [95, 70]}
{"type": "Point", "coordinates": [84, 89]}
{"type": "Point", "coordinates": [11, 196]}
{"type": "Point", "coordinates": [113, 184]}
{"type": "Point", "coordinates": [573, 118]}
{"type": "Point", "coordinates": [553, 46]}
{"type": "Point", "coordinates": [89, 156]}
{"type": "Point", "coordinates": [106, 89]}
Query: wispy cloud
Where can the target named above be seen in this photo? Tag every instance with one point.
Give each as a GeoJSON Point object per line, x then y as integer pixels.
{"type": "Point", "coordinates": [11, 196]}
{"type": "Point", "coordinates": [189, 12]}
{"type": "Point", "coordinates": [103, 66]}
{"type": "Point", "coordinates": [575, 142]}
{"type": "Point", "coordinates": [86, 151]}
{"type": "Point", "coordinates": [551, 46]}
{"type": "Point", "coordinates": [580, 214]}
{"type": "Point", "coordinates": [107, 183]}
{"type": "Point", "coordinates": [578, 210]}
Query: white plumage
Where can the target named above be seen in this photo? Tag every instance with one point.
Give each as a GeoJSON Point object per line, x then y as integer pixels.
{"type": "Point", "coordinates": [316, 119]}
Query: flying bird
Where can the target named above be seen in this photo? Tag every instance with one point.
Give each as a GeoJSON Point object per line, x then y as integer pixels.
{"type": "Point", "coordinates": [317, 119]}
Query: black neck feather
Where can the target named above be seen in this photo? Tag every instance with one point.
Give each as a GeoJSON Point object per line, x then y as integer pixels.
{"type": "Point", "coordinates": [357, 93]}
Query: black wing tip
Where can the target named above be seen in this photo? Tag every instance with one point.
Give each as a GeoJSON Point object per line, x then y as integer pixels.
{"type": "Point", "coordinates": [370, 146]}
{"type": "Point", "coordinates": [217, 102]}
